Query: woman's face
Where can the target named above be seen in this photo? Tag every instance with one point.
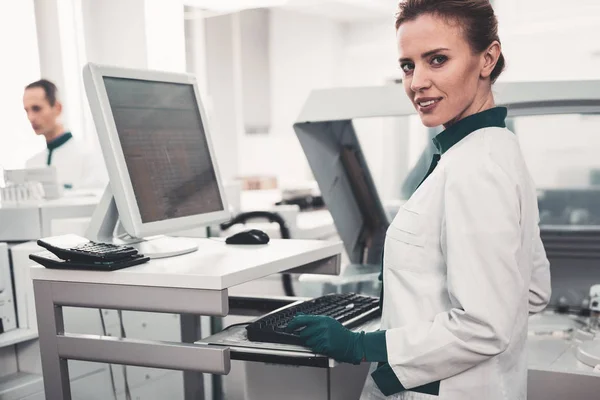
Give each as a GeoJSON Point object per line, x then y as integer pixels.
{"type": "Point", "coordinates": [442, 75]}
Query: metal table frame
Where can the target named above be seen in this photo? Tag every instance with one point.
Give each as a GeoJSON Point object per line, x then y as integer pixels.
{"type": "Point", "coordinates": [57, 346]}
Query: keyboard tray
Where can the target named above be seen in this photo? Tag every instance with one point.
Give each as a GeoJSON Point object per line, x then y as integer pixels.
{"type": "Point", "coordinates": [275, 353]}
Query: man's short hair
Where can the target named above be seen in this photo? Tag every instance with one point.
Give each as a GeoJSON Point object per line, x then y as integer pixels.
{"type": "Point", "coordinates": [49, 88]}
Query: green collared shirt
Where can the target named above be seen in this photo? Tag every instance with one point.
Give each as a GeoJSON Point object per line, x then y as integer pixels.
{"type": "Point", "coordinates": [56, 143]}
{"type": "Point", "coordinates": [494, 117]}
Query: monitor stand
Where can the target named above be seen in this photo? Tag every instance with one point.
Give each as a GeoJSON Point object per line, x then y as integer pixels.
{"type": "Point", "coordinates": [105, 227]}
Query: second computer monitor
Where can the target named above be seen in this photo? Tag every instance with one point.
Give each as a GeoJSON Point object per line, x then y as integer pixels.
{"type": "Point", "coordinates": [155, 140]}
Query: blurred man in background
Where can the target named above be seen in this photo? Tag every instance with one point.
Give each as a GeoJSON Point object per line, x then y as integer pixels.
{"type": "Point", "coordinates": [77, 167]}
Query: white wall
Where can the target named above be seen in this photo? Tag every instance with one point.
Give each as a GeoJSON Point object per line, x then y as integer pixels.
{"type": "Point", "coordinates": [62, 55]}
{"type": "Point", "coordinates": [549, 40]}
{"type": "Point", "coordinates": [165, 36]}
{"type": "Point", "coordinates": [135, 33]}
{"type": "Point", "coordinates": [369, 53]}
{"type": "Point", "coordinates": [309, 52]}
{"type": "Point", "coordinates": [195, 49]}
{"type": "Point", "coordinates": [223, 78]}
{"type": "Point", "coordinates": [19, 67]}
{"type": "Point", "coordinates": [115, 32]}
{"type": "Point", "coordinates": [51, 60]}
{"type": "Point", "coordinates": [305, 54]}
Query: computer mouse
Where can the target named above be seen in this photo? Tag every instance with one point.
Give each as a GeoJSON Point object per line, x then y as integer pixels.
{"type": "Point", "coordinates": [252, 236]}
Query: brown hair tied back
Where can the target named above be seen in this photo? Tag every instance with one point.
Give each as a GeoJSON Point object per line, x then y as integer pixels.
{"type": "Point", "coordinates": [476, 18]}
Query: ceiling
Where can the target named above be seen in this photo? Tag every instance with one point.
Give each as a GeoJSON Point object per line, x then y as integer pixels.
{"type": "Point", "coordinates": [346, 10]}
{"type": "Point", "coordinates": [341, 10]}
{"type": "Point", "coordinates": [516, 16]}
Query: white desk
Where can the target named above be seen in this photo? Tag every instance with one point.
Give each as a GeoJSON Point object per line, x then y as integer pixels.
{"type": "Point", "coordinates": [554, 370]}
{"type": "Point", "coordinates": [192, 285]}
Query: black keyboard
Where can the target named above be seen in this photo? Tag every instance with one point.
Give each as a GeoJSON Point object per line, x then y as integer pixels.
{"type": "Point", "coordinates": [349, 309]}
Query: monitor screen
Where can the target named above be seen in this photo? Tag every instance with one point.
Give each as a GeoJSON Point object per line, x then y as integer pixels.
{"type": "Point", "coordinates": [165, 148]}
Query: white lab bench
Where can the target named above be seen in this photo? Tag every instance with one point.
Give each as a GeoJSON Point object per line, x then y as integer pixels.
{"type": "Point", "coordinates": [553, 367]}
{"type": "Point", "coordinates": [24, 221]}
{"type": "Point", "coordinates": [31, 220]}
{"type": "Point", "coordinates": [191, 285]}
{"type": "Point", "coordinates": [554, 371]}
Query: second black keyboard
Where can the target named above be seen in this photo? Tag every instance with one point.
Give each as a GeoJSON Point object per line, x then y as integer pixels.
{"type": "Point", "coordinates": [350, 310]}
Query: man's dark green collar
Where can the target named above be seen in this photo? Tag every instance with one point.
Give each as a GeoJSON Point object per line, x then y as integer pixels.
{"type": "Point", "coordinates": [55, 144]}
{"type": "Point", "coordinates": [494, 117]}
{"type": "Point", "coordinates": [59, 141]}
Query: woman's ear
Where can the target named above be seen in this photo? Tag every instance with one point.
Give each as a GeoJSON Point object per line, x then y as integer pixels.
{"type": "Point", "coordinates": [490, 58]}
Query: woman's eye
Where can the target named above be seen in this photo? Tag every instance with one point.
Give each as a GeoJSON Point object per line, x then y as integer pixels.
{"type": "Point", "coordinates": [406, 67]}
{"type": "Point", "coordinates": [438, 60]}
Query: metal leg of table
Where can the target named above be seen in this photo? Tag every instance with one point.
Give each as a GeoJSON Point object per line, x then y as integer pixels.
{"type": "Point", "coordinates": [216, 325]}
{"type": "Point", "coordinates": [193, 382]}
{"type": "Point", "coordinates": [50, 324]}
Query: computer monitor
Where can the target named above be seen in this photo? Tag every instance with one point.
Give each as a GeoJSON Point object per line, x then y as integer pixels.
{"type": "Point", "coordinates": [156, 144]}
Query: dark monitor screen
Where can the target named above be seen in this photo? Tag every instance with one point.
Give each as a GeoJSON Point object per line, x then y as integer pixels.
{"type": "Point", "coordinates": [165, 147]}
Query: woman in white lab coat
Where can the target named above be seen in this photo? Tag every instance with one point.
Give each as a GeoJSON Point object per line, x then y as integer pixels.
{"type": "Point", "coordinates": [463, 262]}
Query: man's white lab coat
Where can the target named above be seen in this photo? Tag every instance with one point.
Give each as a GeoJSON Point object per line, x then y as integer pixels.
{"type": "Point", "coordinates": [76, 165]}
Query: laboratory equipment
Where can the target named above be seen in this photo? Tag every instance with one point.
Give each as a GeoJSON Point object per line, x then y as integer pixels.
{"type": "Point", "coordinates": [37, 183]}
{"type": "Point", "coordinates": [158, 152]}
{"type": "Point", "coordinates": [17, 193]}
{"type": "Point", "coordinates": [339, 166]}
{"type": "Point", "coordinates": [350, 310]}
{"type": "Point", "coordinates": [8, 320]}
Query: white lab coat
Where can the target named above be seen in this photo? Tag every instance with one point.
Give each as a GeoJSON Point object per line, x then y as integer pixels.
{"type": "Point", "coordinates": [464, 266]}
{"type": "Point", "coordinates": [76, 165]}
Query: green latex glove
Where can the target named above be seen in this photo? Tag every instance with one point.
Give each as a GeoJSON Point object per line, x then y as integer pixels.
{"type": "Point", "coordinates": [325, 335]}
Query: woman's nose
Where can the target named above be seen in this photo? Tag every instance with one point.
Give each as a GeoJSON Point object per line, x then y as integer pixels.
{"type": "Point", "coordinates": [420, 80]}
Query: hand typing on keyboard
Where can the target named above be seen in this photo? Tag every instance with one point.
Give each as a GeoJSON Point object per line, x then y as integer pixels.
{"type": "Point", "coordinates": [325, 335]}
{"type": "Point", "coordinates": [349, 309]}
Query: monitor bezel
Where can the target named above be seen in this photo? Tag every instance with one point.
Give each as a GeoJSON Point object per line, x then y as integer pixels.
{"type": "Point", "coordinates": [120, 180]}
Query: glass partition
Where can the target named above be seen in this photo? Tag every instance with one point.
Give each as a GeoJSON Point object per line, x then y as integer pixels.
{"type": "Point", "coordinates": [561, 151]}
{"type": "Point", "coordinates": [396, 150]}
{"type": "Point", "coordinates": [563, 156]}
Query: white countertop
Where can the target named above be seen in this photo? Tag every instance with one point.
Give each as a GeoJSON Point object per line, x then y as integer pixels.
{"type": "Point", "coordinates": [69, 199]}
{"type": "Point", "coordinates": [552, 350]}
{"type": "Point", "coordinates": [556, 355]}
{"type": "Point", "coordinates": [214, 266]}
